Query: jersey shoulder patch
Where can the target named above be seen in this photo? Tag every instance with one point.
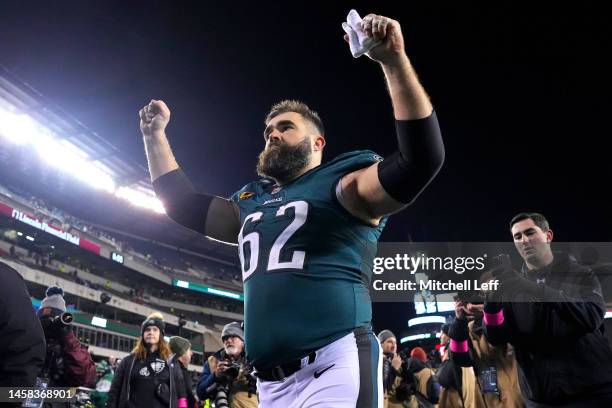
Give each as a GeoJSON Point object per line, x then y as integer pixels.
{"type": "Point", "coordinates": [244, 193]}
{"type": "Point", "coordinates": [252, 189]}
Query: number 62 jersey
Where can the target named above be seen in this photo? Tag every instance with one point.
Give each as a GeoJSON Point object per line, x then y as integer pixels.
{"type": "Point", "coordinates": [306, 263]}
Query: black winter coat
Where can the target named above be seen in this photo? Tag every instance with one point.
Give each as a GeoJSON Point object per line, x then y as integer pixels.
{"type": "Point", "coordinates": [22, 341]}
{"type": "Point", "coordinates": [558, 338]}
{"type": "Point", "coordinates": [119, 393]}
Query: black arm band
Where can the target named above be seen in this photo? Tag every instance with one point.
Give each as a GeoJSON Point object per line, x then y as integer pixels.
{"type": "Point", "coordinates": [181, 201]}
{"type": "Point", "coordinates": [406, 173]}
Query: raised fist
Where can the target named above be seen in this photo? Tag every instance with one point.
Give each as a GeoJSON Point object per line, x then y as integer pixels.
{"type": "Point", "coordinates": [154, 118]}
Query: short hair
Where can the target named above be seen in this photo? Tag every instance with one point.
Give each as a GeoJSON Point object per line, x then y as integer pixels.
{"type": "Point", "coordinates": [290, 105]}
{"type": "Point", "coordinates": [537, 218]}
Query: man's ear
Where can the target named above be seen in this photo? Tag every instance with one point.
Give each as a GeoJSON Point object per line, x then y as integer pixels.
{"type": "Point", "coordinates": [549, 235]}
{"type": "Point", "coordinates": [319, 142]}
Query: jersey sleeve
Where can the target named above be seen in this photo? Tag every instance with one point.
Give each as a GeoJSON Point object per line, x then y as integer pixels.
{"type": "Point", "coordinates": [352, 161]}
{"type": "Point", "coordinates": [347, 163]}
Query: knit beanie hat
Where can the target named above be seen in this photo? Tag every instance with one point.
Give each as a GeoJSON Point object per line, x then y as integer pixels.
{"type": "Point", "coordinates": [53, 304]}
{"type": "Point", "coordinates": [232, 329]}
{"type": "Point", "coordinates": [419, 354]}
{"type": "Point", "coordinates": [155, 319]}
{"type": "Point", "coordinates": [385, 335]}
{"type": "Point", "coordinates": [179, 345]}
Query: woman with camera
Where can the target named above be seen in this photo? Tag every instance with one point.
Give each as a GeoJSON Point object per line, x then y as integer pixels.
{"type": "Point", "coordinates": [67, 362]}
{"type": "Point", "coordinates": [148, 377]}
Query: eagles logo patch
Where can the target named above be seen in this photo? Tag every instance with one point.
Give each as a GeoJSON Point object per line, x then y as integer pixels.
{"type": "Point", "coordinates": [158, 365]}
{"type": "Point", "coordinates": [246, 194]}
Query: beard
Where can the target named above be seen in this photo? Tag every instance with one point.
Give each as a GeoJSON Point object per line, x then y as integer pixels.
{"type": "Point", "coordinates": [282, 162]}
{"type": "Point", "coordinates": [231, 350]}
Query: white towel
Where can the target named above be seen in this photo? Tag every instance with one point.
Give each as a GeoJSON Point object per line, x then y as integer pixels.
{"type": "Point", "coordinates": [359, 41]}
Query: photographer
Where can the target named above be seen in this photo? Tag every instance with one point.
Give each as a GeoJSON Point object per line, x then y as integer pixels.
{"type": "Point", "coordinates": [227, 379]}
{"type": "Point", "coordinates": [458, 384]}
{"type": "Point", "coordinates": [68, 363]}
{"type": "Point", "coordinates": [148, 377]}
{"type": "Point", "coordinates": [552, 313]}
{"type": "Point", "coordinates": [495, 367]}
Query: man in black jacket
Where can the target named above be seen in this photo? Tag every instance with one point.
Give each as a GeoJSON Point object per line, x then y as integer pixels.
{"type": "Point", "coordinates": [392, 371]}
{"type": "Point", "coordinates": [552, 313]}
{"type": "Point", "coordinates": [22, 342]}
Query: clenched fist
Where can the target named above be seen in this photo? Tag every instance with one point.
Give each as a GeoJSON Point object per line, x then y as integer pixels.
{"type": "Point", "coordinates": [391, 49]}
{"type": "Point", "coordinates": [154, 118]}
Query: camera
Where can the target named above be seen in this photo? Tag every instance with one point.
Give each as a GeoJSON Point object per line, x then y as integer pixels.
{"type": "Point", "coordinates": [54, 323]}
{"type": "Point", "coordinates": [221, 400]}
{"type": "Point", "coordinates": [220, 389]}
{"type": "Point", "coordinates": [231, 372]}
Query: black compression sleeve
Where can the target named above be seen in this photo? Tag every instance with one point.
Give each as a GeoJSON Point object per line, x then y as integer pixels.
{"type": "Point", "coordinates": [420, 155]}
{"type": "Point", "coordinates": [181, 201]}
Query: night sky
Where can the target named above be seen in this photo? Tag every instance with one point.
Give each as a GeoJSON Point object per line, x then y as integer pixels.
{"type": "Point", "coordinates": [521, 93]}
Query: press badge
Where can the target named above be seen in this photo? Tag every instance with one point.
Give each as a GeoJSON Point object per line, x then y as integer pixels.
{"type": "Point", "coordinates": [489, 381]}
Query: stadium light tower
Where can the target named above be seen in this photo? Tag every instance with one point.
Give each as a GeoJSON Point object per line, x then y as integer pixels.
{"type": "Point", "coordinates": [28, 119]}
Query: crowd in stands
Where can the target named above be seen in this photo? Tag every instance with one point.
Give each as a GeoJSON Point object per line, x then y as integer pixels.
{"type": "Point", "coordinates": [121, 284]}
{"type": "Point", "coordinates": [165, 259]}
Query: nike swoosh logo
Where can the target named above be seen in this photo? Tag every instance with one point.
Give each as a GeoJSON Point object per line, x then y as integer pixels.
{"type": "Point", "coordinates": [317, 374]}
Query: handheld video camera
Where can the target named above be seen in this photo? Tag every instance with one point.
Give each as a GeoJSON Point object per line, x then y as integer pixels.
{"type": "Point", "coordinates": [55, 323]}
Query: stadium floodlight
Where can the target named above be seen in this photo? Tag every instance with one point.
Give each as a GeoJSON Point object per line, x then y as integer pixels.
{"type": "Point", "coordinates": [18, 128]}
{"type": "Point", "coordinates": [74, 149]}
{"type": "Point", "coordinates": [426, 320]}
{"type": "Point", "coordinates": [140, 198]}
{"type": "Point", "coordinates": [29, 238]}
{"type": "Point", "coordinates": [58, 155]}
